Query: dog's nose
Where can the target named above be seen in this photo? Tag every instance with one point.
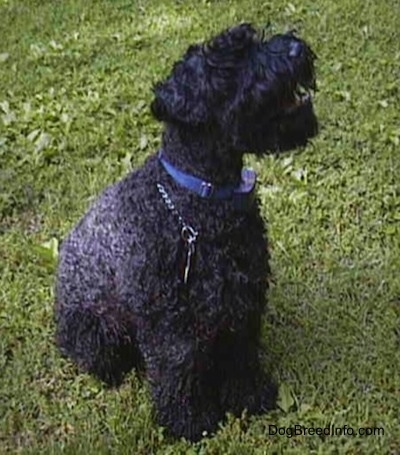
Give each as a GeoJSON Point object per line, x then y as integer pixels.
{"type": "Point", "coordinates": [295, 48]}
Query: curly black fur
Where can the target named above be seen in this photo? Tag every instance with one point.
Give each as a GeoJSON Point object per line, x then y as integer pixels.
{"type": "Point", "coordinates": [121, 302]}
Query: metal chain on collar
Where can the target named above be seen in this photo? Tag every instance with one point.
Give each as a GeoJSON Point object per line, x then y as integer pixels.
{"type": "Point", "coordinates": [188, 233]}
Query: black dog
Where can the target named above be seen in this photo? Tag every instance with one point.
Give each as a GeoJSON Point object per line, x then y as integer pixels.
{"type": "Point", "coordinates": [168, 270]}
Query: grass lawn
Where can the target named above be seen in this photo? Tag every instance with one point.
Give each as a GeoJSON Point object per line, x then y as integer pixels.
{"type": "Point", "coordinates": [75, 88]}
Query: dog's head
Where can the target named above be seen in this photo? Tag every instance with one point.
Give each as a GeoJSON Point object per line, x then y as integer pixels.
{"type": "Point", "coordinates": [255, 92]}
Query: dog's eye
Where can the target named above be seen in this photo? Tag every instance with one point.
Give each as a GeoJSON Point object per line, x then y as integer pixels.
{"type": "Point", "coordinates": [277, 46]}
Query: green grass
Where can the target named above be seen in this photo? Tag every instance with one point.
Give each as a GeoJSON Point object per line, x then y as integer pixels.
{"type": "Point", "coordinates": [75, 86]}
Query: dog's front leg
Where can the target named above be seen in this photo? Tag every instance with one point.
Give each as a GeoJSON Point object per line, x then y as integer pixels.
{"type": "Point", "coordinates": [182, 388]}
{"type": "Point", "coordinates": [244, 384]}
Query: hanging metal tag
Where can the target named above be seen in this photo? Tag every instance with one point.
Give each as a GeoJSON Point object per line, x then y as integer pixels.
{"type": "Point", "coordinates": [189, 236]}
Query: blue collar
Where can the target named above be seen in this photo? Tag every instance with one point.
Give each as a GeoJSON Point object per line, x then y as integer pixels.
{"type": "Point", "coordinates": [242, 195]}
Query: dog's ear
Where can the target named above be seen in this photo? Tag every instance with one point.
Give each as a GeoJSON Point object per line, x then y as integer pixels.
{"type": "Point", "coordinates": [202, 77]}
{"type": "Point", "coordinates": [231, 47]}
{"type": "Point", "coordinates": [182, 97]}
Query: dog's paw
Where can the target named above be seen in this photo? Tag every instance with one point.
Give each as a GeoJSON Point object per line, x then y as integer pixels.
{"type": "Point", "coordinates": [255, 396]}
{"type": "Point", "coordinates": [268, 396]}
{"type": "Point", "coordinates": [190, 423]}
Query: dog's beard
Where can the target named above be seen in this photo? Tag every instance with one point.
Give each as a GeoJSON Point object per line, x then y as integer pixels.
{"type": "Point", "coordinates": [289, 129]}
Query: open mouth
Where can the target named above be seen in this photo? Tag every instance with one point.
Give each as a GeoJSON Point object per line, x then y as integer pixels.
{"type": "Point", "coordinates": [301, 96]}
